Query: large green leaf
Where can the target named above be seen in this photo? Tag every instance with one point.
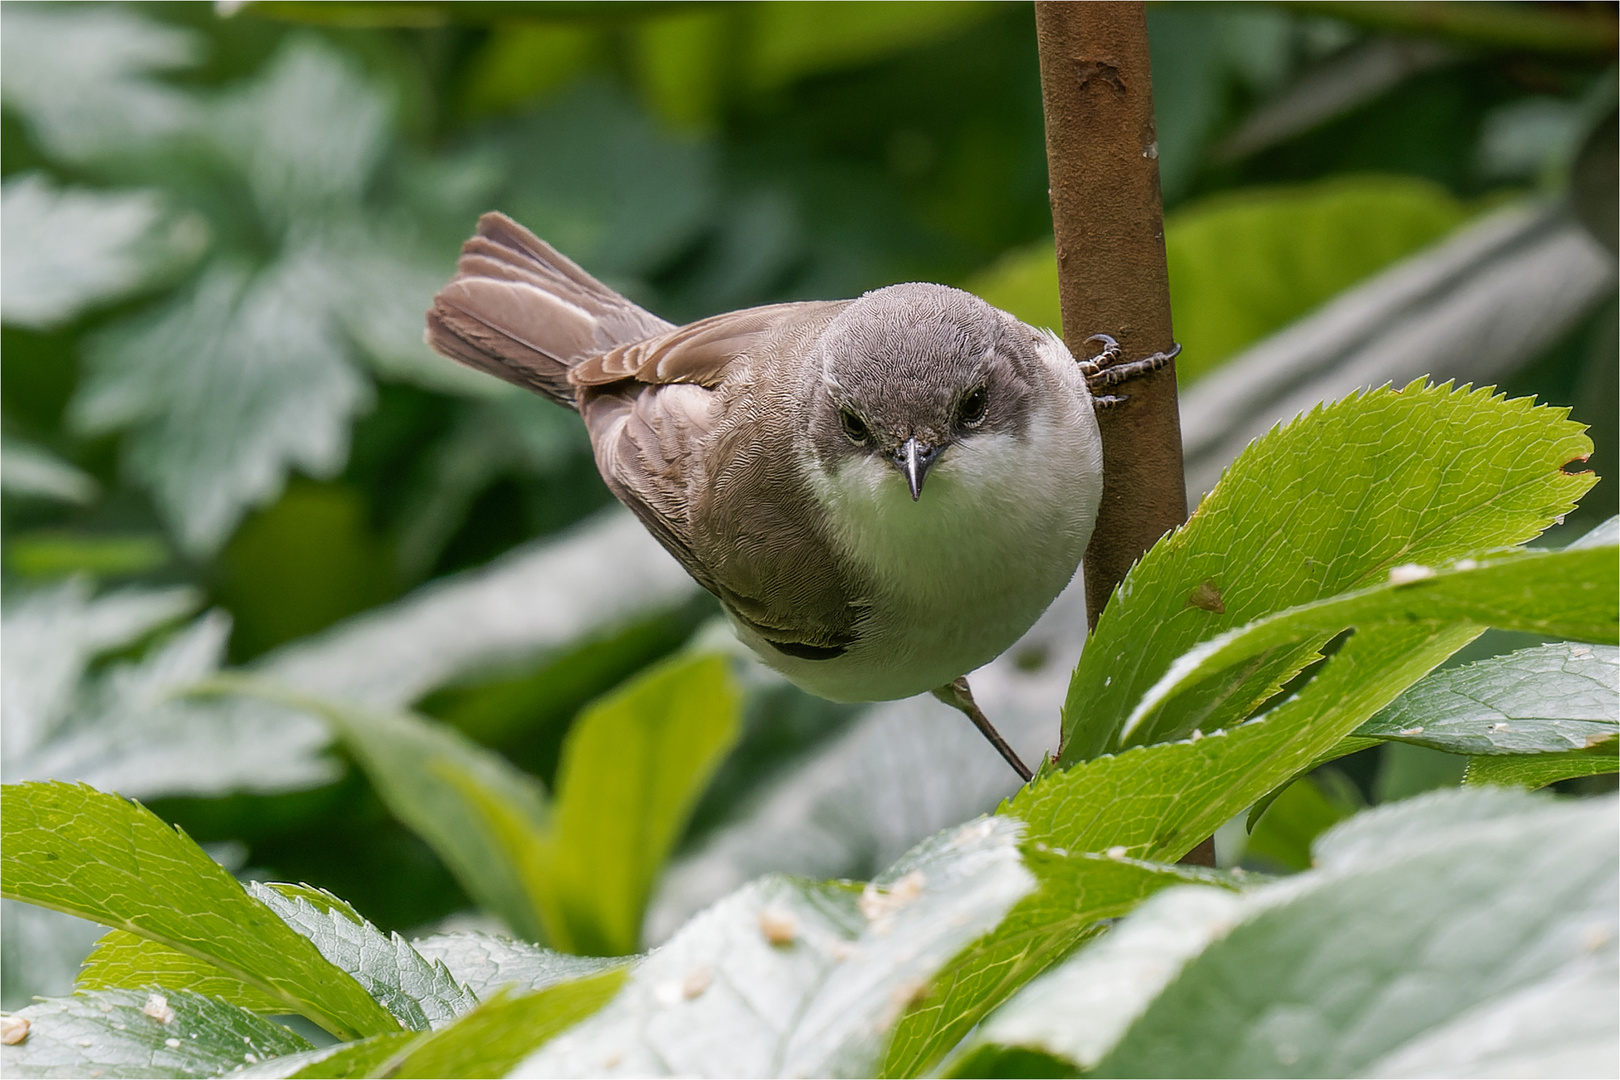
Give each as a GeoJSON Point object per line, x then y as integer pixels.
{"type": "Point", "coordinates": [632, 769]}
{"type": "Point", "coordinates": [1158, 801]}
{"type": "Point", "coordinates": [786, 977]}
{"type": "Point", "coordinates": [1454, 934]}
{"type": "Point", "coordinates": [420, 993]}
{"type": "Point", "coordinates": [1076, 892]}
{"type": "Point", "coordinates": [1500, 930]}
{"type": "Point", "coordinates": [157, 1033]}
{"type": "Point", "coordinates": [1573, 594]}
{"type": "Point", "coordinates": [1536, 701]}
{"type": "Point", "coordinates": [1423, 474]}
{"type": "Point", "coordinates": [100, 857]}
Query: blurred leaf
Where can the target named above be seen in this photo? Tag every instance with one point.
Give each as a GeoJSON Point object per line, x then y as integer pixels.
{"type": "Point", "coordinates": [302, 564]}
{"type": "Point", "coordinates": [1559, 593]}
{"type": "Point", "coordinates": [593, 175]}
{"type": "Point", "coordinates": [633, 767]}
{"type": "Point", "coordinates": [788, 977]}
{"type": "Point", "coordinates": [56, 554]}
{"type": "Point", "coordinates": [420, 993]}
{"type": "Point", "coordinates": [1512, 26]}
{"type": "Point", "coordinates": [1303, 980]}
{"type": "Point", "coordinates": [1536, 701]}
{"type": "Point", "coordinates": [1303, 811]}
{"type": "Point", "coordinates": [52, 635]}
{"type": "Point", "coordinates": [69, 249]}
{"type": "Point", "coordinates": [30, 470]}
{"type": "Point", "coordinates": [1076, 893]}
{"type": "Point", "coordinates": [1247, 263]}
{"type": "Point", "coordinates": [1538, 770]}
{"type": "Point", "coordinates": [131, 731]}
{"type": "Point", "coordinates": [114, 1032]}
{"type": "Point", "coordinates": [424, 771]}
{"type": "Point", "coordinates": [1413, 460]}
{"type": "Point", "coordinates": [795, 38]}
{"type": "Point", "coordinates": [226, 388]}
{"type": "Point", "coordinates": [81, 78]}
{"type": "Point", "coordinates": [487, 965]}
{"type": "Point", "coordinates": [681, 62]}
{"type": "Point", "coordinates": [98, 856]}
{"type": "Point", "coordinates": [493, 1038]}
{"type": "Point", "coordinates": [522, 61]}
{"type": "Point", "coordinates": [306, 133]}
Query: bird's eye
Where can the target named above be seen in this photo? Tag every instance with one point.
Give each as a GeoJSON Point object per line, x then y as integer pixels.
{"type": "Point", "coordinates": [855, 428]}
{"type": "Point", "coordinates": [972, 409]}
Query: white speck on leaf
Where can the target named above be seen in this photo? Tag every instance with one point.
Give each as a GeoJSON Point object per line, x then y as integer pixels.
{"type": "Point", "coordinates": [1116, 852]}
{"type": "Point", "coordinates": [157, 1007]}
{"type": "Point", "coordinates": [171, 1043]}
{"type": "Point", "coordinates": [13, 1030]}
{"type": "Point", "coordinates": [1407, 573]}
{"type": "Point", "coordinates": [697, 982]}
{"type": "Point", "coordinates": [875, 903]}
{"type": "Point", "coordinates": [778, 925]}
{"type": "Point", "coordinates": [1412, 730]}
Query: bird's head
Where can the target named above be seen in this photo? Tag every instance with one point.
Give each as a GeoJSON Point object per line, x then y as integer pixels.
{"type": "Point", "coordinates": [909, 371]}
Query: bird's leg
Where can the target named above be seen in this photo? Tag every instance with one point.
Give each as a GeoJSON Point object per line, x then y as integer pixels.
{"type": "Point", "coordinates": [957, 695]}
{"type": "Point", "coordinates": [1104, 370]}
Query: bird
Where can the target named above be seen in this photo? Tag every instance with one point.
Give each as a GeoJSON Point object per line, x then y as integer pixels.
{"type": "Point", "coordinates": [884, 493]}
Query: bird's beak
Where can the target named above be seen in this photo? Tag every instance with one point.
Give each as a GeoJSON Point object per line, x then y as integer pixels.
{"type": "Point", "coordinates": [914, 459]}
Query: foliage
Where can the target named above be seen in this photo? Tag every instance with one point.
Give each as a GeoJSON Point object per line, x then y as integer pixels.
{"type": "Point", "coordinates": [348, 615]}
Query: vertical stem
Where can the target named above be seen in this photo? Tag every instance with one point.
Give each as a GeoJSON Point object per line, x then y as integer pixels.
{"type": "Point", "coordinates": [1102, 156]}
{"type": "Point", "coordinates": [1103, 162]}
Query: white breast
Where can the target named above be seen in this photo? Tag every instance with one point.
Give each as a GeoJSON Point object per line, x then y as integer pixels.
{"type": "Point", "coordinates": [964, 571]}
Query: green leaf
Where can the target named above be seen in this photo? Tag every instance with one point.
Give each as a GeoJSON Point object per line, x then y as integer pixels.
{"type": "Point", "coordinates": [1424, 474]}
{"type": "Point", "coordinates": [486, 964]}
{"type": "Point", "coordinates": [421, 994]}
{"type": "Point", "coordinates": [1075, 893]}
{"type": "Point", "coordinates": [100, 857]}
{"type": "Point", "coordinates": [1461, 933]}
{"type": "Point", "coordinates": [1536, 701]}
{"type": "Point", "coordinates": [1538, 770]}
{"type": "Point", "coordinates": [1159, 801]}
{"type": "Point", "coordinates": [1574, 594]}
{"type": "Point", "coordinates": [423, 772]}
{"type": "Point", "coordinates": [788, 977]}
{"type": "Point", "coordinates": [226, 387]}
{"type": "Point", "coordinates": [632, 769]}
{"type": "Point", "coordinates": [125, 960]}
{"type": "Point", "coordinates": [30, 470]}
{"type": "Point", "coordinates": [344, 1061]}
{"type": "Point", "coordinates": [493, 1038]}
{"type": "Point", "coordinates": [157, 1033]}
{"type": "Point", "coordinates": [69, 249]}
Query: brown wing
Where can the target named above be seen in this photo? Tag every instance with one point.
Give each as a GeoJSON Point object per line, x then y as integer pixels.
{"type": "Point", "coordinates": [683, 430]}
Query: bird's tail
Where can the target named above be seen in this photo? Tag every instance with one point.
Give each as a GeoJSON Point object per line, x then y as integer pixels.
{"type": "Point", "coordinates": [524, 313]}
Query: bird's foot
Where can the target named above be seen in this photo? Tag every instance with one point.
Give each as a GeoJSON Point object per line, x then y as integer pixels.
{"type": "Point", "coordinates": [957, 695]}
{"type": "Point", "coordinates": [1105, 370]}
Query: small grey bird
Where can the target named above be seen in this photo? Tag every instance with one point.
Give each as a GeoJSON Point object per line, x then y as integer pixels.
{"type": "Point", "coordinates": [883, 493]}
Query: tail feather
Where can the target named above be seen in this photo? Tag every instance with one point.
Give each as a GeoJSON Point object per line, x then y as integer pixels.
{"type": "Point", "coordinates": [519, 310]}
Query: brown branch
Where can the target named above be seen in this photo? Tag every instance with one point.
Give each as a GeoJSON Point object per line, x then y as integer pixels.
{"type": "Point", "coordinates": [1103, 161]}
{"type": "Point", "coordinates": [1102, 158]}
